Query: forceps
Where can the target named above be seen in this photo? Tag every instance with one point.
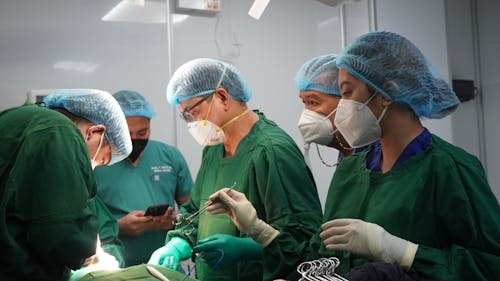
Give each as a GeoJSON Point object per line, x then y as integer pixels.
{"type": "Point", "coordinates": [194, 216]}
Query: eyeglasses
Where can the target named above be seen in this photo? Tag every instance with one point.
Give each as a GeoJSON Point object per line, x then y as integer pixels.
{"type": "Point", "coordinates": [186, 113]}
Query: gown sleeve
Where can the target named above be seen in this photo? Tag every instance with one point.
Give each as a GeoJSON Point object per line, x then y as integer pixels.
{"type": "Point", "coordinates": [55, 182]}
{"type": "Point", "coordinates": [289, 202]}
{"type": "Point", "coordinates": [108, 230]}
{"type": "Point", "coordinates": [474, 230]}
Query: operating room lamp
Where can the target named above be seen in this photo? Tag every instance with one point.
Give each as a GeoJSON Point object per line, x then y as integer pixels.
{"type": "Point", "coordinates": [259, 6]}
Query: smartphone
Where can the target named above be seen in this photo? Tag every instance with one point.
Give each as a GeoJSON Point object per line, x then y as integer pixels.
{"type": "Point", "coordinates": [156, 210]}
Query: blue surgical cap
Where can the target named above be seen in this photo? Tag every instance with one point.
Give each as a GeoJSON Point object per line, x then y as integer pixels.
{"type": "Point", "coordinates": [134, 104]}
{"type": "Point", "coordinates": [395, 68]}
{"type": "Point", "coordinates": [98, 107]}
{"type": "Point", "coordinates": [202, 76]}
{"type": "Point", "coordinates": [319, 74]}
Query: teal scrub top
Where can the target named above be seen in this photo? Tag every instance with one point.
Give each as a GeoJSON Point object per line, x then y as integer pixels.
{"type": "Point", "coordinates": [161, 176]}
{"type": "Point", "coordinates": [270, 170]}
{"type": "Point", "coordinates": [439, 199]}
{"type": "Point", "coordinates": [46, 226]}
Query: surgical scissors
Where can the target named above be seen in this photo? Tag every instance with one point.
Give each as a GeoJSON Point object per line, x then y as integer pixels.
{"type": "Point", "coordinates": [194, 216]}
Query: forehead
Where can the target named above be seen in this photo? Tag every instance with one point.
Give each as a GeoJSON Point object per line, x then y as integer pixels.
{"type": "Point", "coordinates": [346, 77]}
{"type": "Point", "coordinates": [313, 94]}
{"type": "Point", "coordinates": [137, 121]}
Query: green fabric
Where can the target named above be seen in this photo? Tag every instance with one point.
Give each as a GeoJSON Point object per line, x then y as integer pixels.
{"type": "Point", "coordinates": [270, 169]}
{"type": "Point", "coordinates": [46, 181]}
{"type": "Point", "coordinates": [161, 176]}
{"type": "Point", "coordinates": [439, 199]}
{"type": "Point", "coordinates": [108, 230]}
{"type": "Point", "coordinates": [136, 273]}
{"type": "Point", "coordinates": [223, 250]}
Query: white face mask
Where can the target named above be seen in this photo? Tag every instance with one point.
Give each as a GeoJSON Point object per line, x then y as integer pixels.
{"type": "Point", "coordinates": [206, 132]}
{"type": "Point", "coordinates": [356, 122]}
{"type": "Point", "coordinates": [93, 161]}
{"type": "Point", "coordinates": [316, 127]}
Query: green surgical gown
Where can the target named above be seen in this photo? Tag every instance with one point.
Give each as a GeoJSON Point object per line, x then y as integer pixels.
{"type": "Point", "coordinates": [160, 177]}
{"type": "Point", "coordinates": [46, 226]}
{"type": "Point", "coordinates": [439, 199]}
{"type": "Point", "coordinates": [108, 230]}
{"type": "Point", "coordinates": [270, 170]}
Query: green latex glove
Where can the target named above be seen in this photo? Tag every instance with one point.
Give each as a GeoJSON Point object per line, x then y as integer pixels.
{"type": "Point", "coordinates": [176, 250]}
{"type": "Point", "coordinates": [223, 250]}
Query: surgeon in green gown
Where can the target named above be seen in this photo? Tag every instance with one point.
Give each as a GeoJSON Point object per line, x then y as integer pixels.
{"type": "Point", "coordinates": [415, 202]}
{"type": "Point", "coordinates": [251, 154]}
{"type": "Point", "coordinates": [46, 160]}
{"type": "Point", "coordinates": [414, 207]}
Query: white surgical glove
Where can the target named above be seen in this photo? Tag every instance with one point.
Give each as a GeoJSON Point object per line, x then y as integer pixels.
{"type": "Point", "coordinates": [243, 215]}
{"type": "Point", "coordinates": [369, 240]}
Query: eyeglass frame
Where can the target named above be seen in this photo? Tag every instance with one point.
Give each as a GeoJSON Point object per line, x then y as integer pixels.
{"type": "Point", "coordinates": [190, 118]}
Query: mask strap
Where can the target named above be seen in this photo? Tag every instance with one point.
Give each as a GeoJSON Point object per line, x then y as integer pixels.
{"type": "Point", "coordinates": [330, 114]}
{"type": "Point", "coordinates": [216, 87]}
{"type": "Point", "coordinates": [370, 99]}
{"type": "Point", "coordinates": [382, 115]}
{"type": "Point", "coordinates": [98, 147]}
{"type": "Point", "coordinates": [323, 161]}
{"type": "Point", "coordinates": [234, 118]}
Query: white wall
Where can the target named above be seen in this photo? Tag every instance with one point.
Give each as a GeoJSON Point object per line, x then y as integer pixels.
{"type": "Point", "coordinates": [37, 34]}
{"type": "Point", "coordinates": [477, 60]}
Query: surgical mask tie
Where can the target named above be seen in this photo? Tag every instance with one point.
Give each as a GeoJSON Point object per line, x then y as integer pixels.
{"type": "Point", "coordinates": [357, 123]}
{"type": "Point", "coordinates": [93, 161]}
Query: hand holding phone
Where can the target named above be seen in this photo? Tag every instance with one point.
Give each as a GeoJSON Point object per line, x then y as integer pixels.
{"type": "Point", "coordinates": [156, 210]}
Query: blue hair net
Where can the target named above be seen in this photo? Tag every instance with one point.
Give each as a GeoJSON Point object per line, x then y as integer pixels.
{"type": "Point", "coordinates": [98, 107]}
{"type": "Point", "coordinates": [134, 104]}
{"type": "Point", "coordinates": [202, 76]}
{"type": "Point", "coordinates": [320, 74]}
{"type": "Point", "coordinates": [395, 68]}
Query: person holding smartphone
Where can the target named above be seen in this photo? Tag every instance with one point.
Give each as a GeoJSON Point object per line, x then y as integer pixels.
{"type": "Point", "coordinates": [153, 174]}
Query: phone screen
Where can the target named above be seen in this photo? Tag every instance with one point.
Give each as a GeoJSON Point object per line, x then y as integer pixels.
{"type": "Point", "coordinates": [156, 210]}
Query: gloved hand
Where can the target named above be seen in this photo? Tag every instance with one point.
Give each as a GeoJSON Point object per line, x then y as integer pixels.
{"type": "Point", "coordinates": [223, 250]}
{"type": "Point", "coordinates": [367, 239]}
{"type": "Point", "coordinates": [243, 215]}
{"type": "Point", "coordinates": [176, 250]}
{"type": "Point", "coordinates": [100, 261]}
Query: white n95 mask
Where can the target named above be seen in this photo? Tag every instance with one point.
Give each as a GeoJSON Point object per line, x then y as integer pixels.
{"type": "Point", "coordinates": [356, 122]}
{"type": "Point", "coordinates": [206, 132]}
{"type": "Point", "coordinates": [316, 127]}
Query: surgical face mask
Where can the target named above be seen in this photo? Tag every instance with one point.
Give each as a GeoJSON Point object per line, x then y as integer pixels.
{"type": "Point", "coordinates": [93, 161]}
{"type": "Point", "coordinates": [138, 146]}
{"type": "Point", "coordinates": [316, 127]}
{"type": "Point", "coordinates": [206, 132]}
{"type": "Point", "coordinates": [356, 122]}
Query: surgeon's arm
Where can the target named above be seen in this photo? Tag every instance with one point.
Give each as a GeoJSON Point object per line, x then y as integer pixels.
{"type": "Point", "coordinates": [56, 183]}
{"type": "Point", "coordinates": [289, 202]}
{"type": "Point", "coordinates": [108, 230]}
{"type": "Point", "coordinates": [470, 216]}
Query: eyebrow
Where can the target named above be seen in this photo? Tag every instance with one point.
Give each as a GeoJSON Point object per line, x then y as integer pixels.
{"type": "Point", "coordinates": [344, 82]}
